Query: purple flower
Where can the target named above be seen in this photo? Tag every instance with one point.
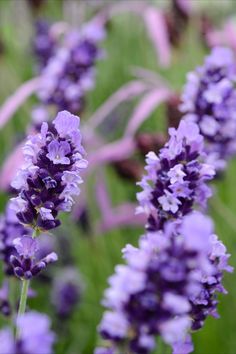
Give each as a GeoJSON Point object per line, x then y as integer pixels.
{"type": "Point", "coordinates": [64, 126]}
{"type": "Point", "coordinates": [57, 152]}
{"type": "Point", "coordinates": [10, 229]}
{"type": "Point", "coordinates": [66, 292]}
{"type": "Point", "coordinates": [26, 246]}
{"type": "Point", "coordinates": [7, 342]}
{"type": "Point", "coordinates": [70, 72]}
{"type": "Point", "coordinates": [51, 175]}
{"type": "Point", "coordinates": [35, 335]}
{"type": "Point", "coordinates": [176, 179]}
{"type": "Point", "coordinates": [44, 45]}
{"type": "Point", "coordinates": [26, 262]}
{"type": "Point", "coordinates": [183, 347]}
{"type": "Point", "coordinates": [160, 289]}
{"type": "Point", "coordinates": [114, 325]}
{"type": "Point", "coordinates": [208, 100]}
{"type": "Point", "coordinates": [169, 202]}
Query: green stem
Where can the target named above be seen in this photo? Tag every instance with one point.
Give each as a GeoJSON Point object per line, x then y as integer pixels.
{"type": "Point", "coordinates": [23, 300]}
{"type": "Point", "coordinates": [12, 293]}
{"type": "Point", "coordinates": [35, 233]}
{"type": "Point", "coordinates": [24, 292]}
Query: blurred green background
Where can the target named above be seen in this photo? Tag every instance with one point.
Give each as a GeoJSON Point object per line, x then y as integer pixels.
{"type": "Point", "coordinates": [126, 45]}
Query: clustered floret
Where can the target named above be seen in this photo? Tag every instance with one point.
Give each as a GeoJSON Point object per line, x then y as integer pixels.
{"type": "Point", "coordinates": [26, 262]}
{"type": "Point", "coordinates": [10, 228]}
{"type": "Point", "coordinates": [209, 100]}
{"type": "Point", "coordinates": [167, 287]}
{"type": "Point", "coordinates": [51, 175]}
{"type": "Point", "coordinates": [176, 179]}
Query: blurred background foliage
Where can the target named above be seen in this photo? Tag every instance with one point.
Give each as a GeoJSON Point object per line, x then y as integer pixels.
{"type": "Point", "coordinates": [126, 46]}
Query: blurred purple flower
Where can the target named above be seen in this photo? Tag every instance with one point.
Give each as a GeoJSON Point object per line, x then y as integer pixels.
{"type": "Point", "coordinates": [70, 72]}
{"type": "Point", "coordinates": [158, 291]}
{"type": "Point", "coordinates": [44, 45]}
{"type": "Point", "coordinates": [35, 335]}
{"type": "Point", "coordinates": [10, 229]}
{"type": "Point", "coordinates": [7, 342]}
{"type": "Point", "coordinates": [5, 307]}
{"type": "Point", "coordinates": [208, 100]}
{"type": "Point", "coordinates": [183, 347]}
{"type": "Point", "coordinates": [66, 291]}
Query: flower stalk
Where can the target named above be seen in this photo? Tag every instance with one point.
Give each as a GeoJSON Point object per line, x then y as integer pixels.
{"type": "Point", "coordinates": [23, 301]}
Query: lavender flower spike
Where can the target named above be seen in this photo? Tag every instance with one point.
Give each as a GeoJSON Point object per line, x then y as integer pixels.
{"type": "Point", "coordinates": [176, 179]}
{"type": "Point", "coordinates": [35, 335]}
{"type": "Point", "coordinates": [51, 175]}
{"type": "Point", "coordinates": [158, 291]}
{"type": "Point", "coordinates": [209, 100]}
{"type": "Point", "coordinates": [70, 72]}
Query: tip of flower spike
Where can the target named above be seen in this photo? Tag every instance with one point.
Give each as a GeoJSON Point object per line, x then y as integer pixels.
{"type": "Point", "coordinates": [66, 123]}
{"type": "Point", "coordinates": [220, 56]}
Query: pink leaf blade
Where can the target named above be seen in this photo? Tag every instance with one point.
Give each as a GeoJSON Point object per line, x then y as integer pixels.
{"type": "Point", "coordinates": [145, 107]}
{"type": "Point", "coordinates": [124, 93]}
{"type": "Point", "coordinates": [15, 101]}
{"type": "Point", "coordinates": [121, 216]}
{"type": "Point", "coordinates": [116, 151]}
{"type": "Point", "coordinates": [158, 33]}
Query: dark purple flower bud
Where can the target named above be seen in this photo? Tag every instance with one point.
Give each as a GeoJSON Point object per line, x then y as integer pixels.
{"type": "Point", "coordinates": [10, 228]}
{"type": "Point", "coordinates": [26, 262]}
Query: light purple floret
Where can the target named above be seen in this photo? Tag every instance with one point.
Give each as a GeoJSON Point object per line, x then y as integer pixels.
{"type": "Point", "coordinates": [208, 99]}
{"type": "Point", "coordinates": [35, 335]}
{"type": "Point", "coordinates": [26, 261]}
